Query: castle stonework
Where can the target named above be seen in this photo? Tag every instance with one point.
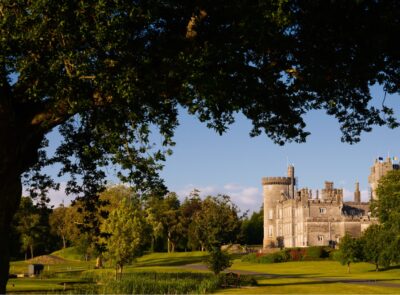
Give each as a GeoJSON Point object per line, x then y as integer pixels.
{"type": "Point", "coordinates": [296, 218]}
{"type": "Point", "coordinates": [378, 170]}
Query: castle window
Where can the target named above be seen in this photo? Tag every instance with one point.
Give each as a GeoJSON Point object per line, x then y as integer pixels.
{"type": "Point", "coordinates": [322, 210]}
{"type": "Point", "coordinates": [270, 230]}
{"type": "Point", "coordinates": [320, 238]}
{"type": "Point", "coordinates": [270, 214]}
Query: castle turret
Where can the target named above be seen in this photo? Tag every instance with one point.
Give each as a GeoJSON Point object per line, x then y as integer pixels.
{"type": "Point", "coordinates": [379, 169]}
{"type": "Point", "coordinates": [274, 190]}
{"type": "Point", "coordinates": [357, 194]}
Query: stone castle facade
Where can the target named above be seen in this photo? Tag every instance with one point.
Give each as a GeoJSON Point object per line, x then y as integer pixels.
{"type": "Point", "coordinates": [297, 218]}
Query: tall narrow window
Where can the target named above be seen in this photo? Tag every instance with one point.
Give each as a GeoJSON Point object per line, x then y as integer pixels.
{"type": "Point", "coordinates": [270, 214]}
{"type": "Point", "coordinates": [270, 230]}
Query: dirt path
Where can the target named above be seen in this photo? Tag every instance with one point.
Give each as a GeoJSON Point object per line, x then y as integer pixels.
{"type": "Point", "coordinates": [327, 279]}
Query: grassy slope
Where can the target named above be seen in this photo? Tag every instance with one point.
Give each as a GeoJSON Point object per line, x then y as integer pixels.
{"type": "Point", "coordinates": [70, 253]}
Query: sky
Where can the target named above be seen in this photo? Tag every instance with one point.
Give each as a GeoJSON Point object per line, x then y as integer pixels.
{"type": "Point", "coordinates": [234, 163]}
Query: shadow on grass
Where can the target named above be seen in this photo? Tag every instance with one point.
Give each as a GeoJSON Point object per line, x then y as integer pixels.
{"type": "Point", "coordinates": [170, 261]}
{"type": "Point", "coordinates": [295, 284]}
{"type": "Point", "coordinates": [383, 269]}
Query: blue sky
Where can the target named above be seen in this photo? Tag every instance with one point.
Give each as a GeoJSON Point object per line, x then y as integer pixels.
{"type": "Point", "coordinates": [234, 163]}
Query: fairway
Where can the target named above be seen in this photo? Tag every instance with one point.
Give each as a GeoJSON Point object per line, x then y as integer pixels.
{"type": "Point", "coordinates": [306, 277]}
{"type": "Point", "coordinates": [318, 277]}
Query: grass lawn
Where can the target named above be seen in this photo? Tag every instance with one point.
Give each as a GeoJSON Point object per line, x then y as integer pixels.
{"type": "Point", "coordinates": [170, 259]}
{"type": "Point", "coordinates": [35, 284]}
{"type": "Point", "coordinates": [307, 277]}
{"type": "Point", "coordinates": [317, 277]}
{"type": "Point", "coordinates": [71, 269]}
{"type": "Point", "coordinates": [320, 269]}
{"type": "Point", "coordinates": [308, 286]}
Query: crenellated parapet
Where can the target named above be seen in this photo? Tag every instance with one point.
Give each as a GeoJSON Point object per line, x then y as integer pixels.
{"type": "Point", "coordinates": [276, 180]}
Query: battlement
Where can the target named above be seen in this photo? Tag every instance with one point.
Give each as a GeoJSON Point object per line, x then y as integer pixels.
{"type": "Point", "coordinates": [276, 180]}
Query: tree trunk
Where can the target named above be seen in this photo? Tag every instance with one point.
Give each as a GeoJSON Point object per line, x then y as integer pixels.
{"type": "Point", "coordinates": [10, 196]}
{"type": "Point", "coordinates": [64, 242]}
{"type": "Point", "coordinates": [99, 262]}
{"type": "Point", "coordinates": [19, 145]}
{"type": "Point", "coordinates": [152, 244]}
{"type": "Point", "coordinates": [31, 250]}
{"type": "Point", "coordinates": [348, 267]}
{"type": "Point", "coordinates": [376, 267]}
{"type": "Point", "coordinates": [169, 245]}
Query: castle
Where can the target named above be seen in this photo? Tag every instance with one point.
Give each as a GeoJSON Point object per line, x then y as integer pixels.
{"type": "Point", "coordinates": [296, 218]}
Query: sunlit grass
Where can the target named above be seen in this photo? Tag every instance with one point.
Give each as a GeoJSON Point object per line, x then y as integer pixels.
{"type": "Point", "coordinates": [308, 286]}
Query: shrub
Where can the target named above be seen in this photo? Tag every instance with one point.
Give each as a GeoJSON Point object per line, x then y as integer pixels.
{"type": "Point", "coordinates": [252, 257]}
{"type": "Point", "coordinates": [276, 257]}
{"type": "Point", "coordinates": [296, 254]}
{"type": "Point", "coordinates": [218, 260]}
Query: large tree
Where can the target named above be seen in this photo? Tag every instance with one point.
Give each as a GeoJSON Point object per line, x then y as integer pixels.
{"type": "Point", "coordinates": [387, 208]}
{"type": "Point", "coordinates": [104, 72]}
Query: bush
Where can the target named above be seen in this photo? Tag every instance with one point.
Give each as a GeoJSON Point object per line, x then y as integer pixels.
{"type": "Point", "coordinates": [276, 257]}
{"type": "Point", "coordinates": [296, 254]}
{"type": "Point", "coordinates": [291, 254]}
{"type": "Point", "coordinates": [218, 260]}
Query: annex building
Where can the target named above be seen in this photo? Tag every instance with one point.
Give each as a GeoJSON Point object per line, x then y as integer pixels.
{"type": "Point", "coordinates": [297, 218]}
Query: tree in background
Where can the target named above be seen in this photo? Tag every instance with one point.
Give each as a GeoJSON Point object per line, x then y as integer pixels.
{"type": "Point", "coordinates": [387, 208]}
{"type": "Point", "coordinates": [350, 250]}
{"type": "Point", "coordinates": [170, 218]}
{"type": "Point", "coordinates": [374, 241]}
{"type": "Point", "coordinates": [154, 213]}
{"type": "Point", "coordinates": [28, 226]}
{"type": "Point", "coordinates": [217, 223]}
{"type": "Point", "coordinates": [127, 233]}
{"type": "Point", "coordinates": [252, 230]}
{"type": "Point", "coordinates": [189, 208]}
{"type": "Point", "coordinates": [60, 220]}
{"type": "Point", "coordinates": [64, 66]}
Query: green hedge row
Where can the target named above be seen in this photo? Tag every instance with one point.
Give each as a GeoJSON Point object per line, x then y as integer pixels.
{"type": "Point", "coordinates": [291, 254]}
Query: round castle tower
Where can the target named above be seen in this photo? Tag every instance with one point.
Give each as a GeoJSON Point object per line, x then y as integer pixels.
{"type": "Point", "coordinates": [274, 188]}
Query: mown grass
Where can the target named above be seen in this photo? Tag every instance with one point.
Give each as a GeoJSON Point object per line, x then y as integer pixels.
{"type": "Point", "coordinates": [43, 285]}
{"type": "Point", "coordinates": [318, 277]}
{"type": "Point", "coordinates": [170, 259]}
{"type": "Point", "coordinates": [307, 277]}
{"type": "Point", "coordinates": [308, 286]}
{"type": "Point", "coordinates": [70, 253]}
{"type": "Point", "coordinates": [320, 269]}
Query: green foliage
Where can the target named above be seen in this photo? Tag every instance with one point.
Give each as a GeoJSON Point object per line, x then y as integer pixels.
{"type": "Point", "coordinates": [127, 232]}
{"type": "Point", "coordinates": [162, 283]}
{"type": "Point", "coordinates": [218, 260]}
{"type": "Point", "coordinates": [387, 205]}
{"type": "Point", "coordinates": [350, 250]}
{"type": "Point", "coordinates": [31, 225]}
{"type": "Point", "coordinates": [252, 228]}
{"type": "Point", "coordinates": [218, 222]}
{"type": "Point", "coordinates": [290, 254]}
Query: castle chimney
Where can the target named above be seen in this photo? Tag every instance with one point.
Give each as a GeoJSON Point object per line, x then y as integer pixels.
{"type": "Point", "coordinates": [290, 173]}
{"type": "Point", "coordinates": [357, 194]}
